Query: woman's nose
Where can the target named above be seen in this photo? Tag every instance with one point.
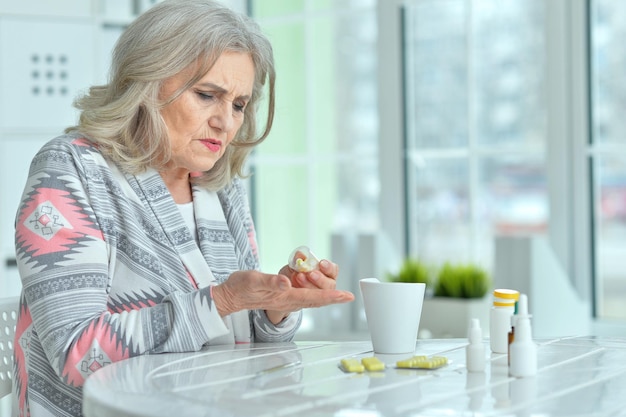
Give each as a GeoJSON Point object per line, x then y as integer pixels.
{"type": "Point", "coordinates": [222, 118]}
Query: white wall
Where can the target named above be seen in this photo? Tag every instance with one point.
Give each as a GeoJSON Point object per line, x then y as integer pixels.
{"type": "Point", "coordinates": [49, 53]}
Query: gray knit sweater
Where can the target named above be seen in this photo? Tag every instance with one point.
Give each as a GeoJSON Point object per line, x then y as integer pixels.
{"type": "Point", "coordinates": [110, 270]}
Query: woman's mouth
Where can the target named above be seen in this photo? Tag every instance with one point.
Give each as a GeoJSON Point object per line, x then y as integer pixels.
{"type": "Point", "coordinates": [214, 145]}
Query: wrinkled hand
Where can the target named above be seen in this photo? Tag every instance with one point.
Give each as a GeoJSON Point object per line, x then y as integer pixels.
{"type": "Point", "coordinates": [249, 290]}
{"type": "Point", "coordinates": [323, 278]}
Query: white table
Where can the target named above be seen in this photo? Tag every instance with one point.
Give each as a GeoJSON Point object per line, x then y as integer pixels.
{"type": "Point", "coordinates": [583, 376]}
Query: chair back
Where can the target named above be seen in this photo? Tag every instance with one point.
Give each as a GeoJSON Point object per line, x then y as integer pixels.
{"type": "Point", "coordinates": [8, 318]}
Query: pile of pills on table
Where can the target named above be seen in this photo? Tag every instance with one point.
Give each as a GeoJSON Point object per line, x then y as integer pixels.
{"type": "Point", "coordinates": [423, 362]}
{"type": "Point", "coordinates": [372, 364]}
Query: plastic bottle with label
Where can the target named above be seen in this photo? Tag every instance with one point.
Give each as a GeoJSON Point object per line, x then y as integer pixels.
{"type": "Point", "coordinates": [500, 319]}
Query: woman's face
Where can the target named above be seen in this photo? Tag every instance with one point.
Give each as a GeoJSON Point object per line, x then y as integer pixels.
{"type": "Point", "coordinates": [204, 119]}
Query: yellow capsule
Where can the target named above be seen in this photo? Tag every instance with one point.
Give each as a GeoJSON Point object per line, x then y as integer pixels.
{"type": "Point", "coordinates": [408, 363]}
{"type": "Point", "coordinates": [352, 365]}
{"type": "Point", "coordinates": [405, 363]}
{"type": "Point", "coordinates": [423, 362]}
{"type": "Point", "coordinates": [373, 364]}
{"type": "Point", "coordinates": [432, 363]}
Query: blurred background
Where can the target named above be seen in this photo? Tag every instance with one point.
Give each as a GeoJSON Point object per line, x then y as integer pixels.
{"type": "Point", "coordinates": [445, 130]}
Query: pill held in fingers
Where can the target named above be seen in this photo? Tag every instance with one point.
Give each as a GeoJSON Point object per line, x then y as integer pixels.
{"type": "Point", "coordinates": [303, 260]}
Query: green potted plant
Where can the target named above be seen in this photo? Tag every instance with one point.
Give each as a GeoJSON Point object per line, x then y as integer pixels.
{"type": "Point", "coordinates": [412, 270]}
{"type": "Point", "coordinates": [462, 281]}
{"type": "Point", "coordinates": [460, 293]}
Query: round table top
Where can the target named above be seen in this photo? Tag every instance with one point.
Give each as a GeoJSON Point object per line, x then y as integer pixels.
{"type": "Point", "coordinates": [577, 376]}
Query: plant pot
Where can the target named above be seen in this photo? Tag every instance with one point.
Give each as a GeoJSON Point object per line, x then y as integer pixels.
{"type": "Point", "coordinates": [445, 317]}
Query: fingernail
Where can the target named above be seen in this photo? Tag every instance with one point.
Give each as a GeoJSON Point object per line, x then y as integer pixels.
{"type": "Point", "coordinates": [315, 275]}
{"type": "Point", "coordinates": [324, 263]}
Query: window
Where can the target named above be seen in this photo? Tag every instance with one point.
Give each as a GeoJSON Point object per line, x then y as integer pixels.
{"type": "Point", "coordinates": [475, 126]}
{"type": "Point", "coordinates": [317, 173]}
{"type": "Point", "coordinates": [513, 125]}
{"type": "Point", "coordinates": [504, 122]}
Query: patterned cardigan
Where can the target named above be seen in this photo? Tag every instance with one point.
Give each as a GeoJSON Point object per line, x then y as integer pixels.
{"type": "Point", "coordinates": [110, 270]}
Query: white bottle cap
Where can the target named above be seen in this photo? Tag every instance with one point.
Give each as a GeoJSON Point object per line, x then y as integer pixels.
{"type": "Point", "coordinates": [522, 307]}
{"type": "Point", "coordinates": [475, 332]}
{"type": "Point", "coordinates": [475, 350]}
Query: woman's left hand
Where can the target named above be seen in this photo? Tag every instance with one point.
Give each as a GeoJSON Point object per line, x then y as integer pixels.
{"type": "Point", "coordinates": [323, 278]}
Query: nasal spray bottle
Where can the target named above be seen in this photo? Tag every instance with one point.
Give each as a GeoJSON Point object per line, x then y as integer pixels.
{"type": "Point", "coordinates": [523, 351]}
{"type": "Point", "coordinates": [475, 350]}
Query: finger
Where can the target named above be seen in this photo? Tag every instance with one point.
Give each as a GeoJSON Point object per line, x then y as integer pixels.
{"type": "Point", "coordinates": [273, 283]}
{"type": "Point", "coordinates": [321, 281]}
{"type": "Point", "coordinates": [302, 281]}
{"type": "Point", "coordinates": [330, 269]}
{"type": "Point", "coordinates": [281, 282]}
{"type": "Point", "coordinates": [317, 280]}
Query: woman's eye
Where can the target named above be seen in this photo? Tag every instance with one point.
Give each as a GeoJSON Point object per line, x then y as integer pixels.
{"type": "Point", "coordinates": [239, 107]}
{"type": "Point", "coordinates": [205, 96]}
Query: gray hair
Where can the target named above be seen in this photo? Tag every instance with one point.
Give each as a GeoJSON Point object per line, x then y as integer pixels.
{"type": "Point", "coordinates": [123, 117]}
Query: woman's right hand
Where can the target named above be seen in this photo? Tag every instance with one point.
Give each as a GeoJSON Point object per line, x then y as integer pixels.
{"type": "Point", "coordinates": [251, 290]}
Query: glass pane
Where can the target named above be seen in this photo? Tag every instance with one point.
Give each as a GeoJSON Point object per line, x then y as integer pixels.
{"type": "Point", "coordinates": [437, 74]}
{"type": "Point", "coordinates": [611, 235]}
{"type": "Point", "coordinates": [322, 194]}
{"type": "Point", "coordinates": [440, 222]}
{"type": "Point", "coordinates": [288, 130]}
{"type": "Point", "coordinates": [319, 175]}
{"type": "Point", "coordinates": [474, 74]}
{"type": "Point", "coordinates": [513, 194]}
{"type": "Point", "coordinates": [508, 68]}
{"type": "Point", "coordinates": [320, 161]}
{"type": "Point", "coordinates": [497, 84]}
{"type": "Point", "coordinates": [342, 94]}
{"type": "Point", "coordinates": [321, 111]}
{"type": "Point", "coordinates": [512, 199]}
{"type": "Point", "coordinates": [281, 204]}
{"type": "Point", "coordinates": [357, 185]}
{"type": "Point", "coordinates": [356, 99]}
{"type": "Point", "coordinates": [608, 63]}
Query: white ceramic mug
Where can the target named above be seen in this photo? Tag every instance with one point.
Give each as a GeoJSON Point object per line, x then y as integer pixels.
{"type": "Point", "coordinates": [393, 311]}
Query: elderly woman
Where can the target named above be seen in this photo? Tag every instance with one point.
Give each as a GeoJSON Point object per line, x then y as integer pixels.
{"type": "Point", "coordinates": [134, 234]}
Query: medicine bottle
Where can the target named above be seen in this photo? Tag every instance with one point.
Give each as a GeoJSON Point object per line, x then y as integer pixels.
{"type": "Point", "coordinates": [475, 350]}
{"type": "Point", "coordinates": [523, 349]}
{"type": "Point", "coordinates": [500, 319]}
